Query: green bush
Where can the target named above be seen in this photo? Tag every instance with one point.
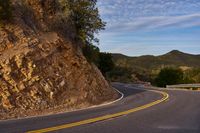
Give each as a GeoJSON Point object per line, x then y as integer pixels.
{"type": "Point", "coordinates": [192, 75]}
{"type": "Point", "coordinates": [106, 63]}
{"type": "Point", "coordinates": [120, 74]}
{"type": "Point", "coordinates": [5, 10]}
{"type": "Point", "coordinates": [91, 53]}
{"type": "Point", "coordinates": [102, 60]}
{"type": "Point", "coordinates": [169, 76]}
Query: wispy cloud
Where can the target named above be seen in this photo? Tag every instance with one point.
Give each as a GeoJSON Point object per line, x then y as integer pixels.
{"type": "Point", "coordinates": [141, 14]}
{"type": "Point", "coordinates": [144, 26]}
{"type": "Point", "coordinates": [153, 22]}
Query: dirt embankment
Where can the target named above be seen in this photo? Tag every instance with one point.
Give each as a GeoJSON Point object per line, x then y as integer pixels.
{"type": "Point", "coordinates": [41, 71]}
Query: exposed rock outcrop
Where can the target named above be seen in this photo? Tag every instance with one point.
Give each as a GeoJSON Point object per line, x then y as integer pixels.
{"type": "Point", "coordinates": [41, 69]}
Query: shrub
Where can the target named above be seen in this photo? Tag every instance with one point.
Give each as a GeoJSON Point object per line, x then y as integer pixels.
{"type": "Point", "coordinates": [91, 53]}
{"type": "Point", "coordinates": [169, 76]}
{"type": "Point", "coordinates": [120, 74]}
{"type": "Point", "coordinates": [106, 63]}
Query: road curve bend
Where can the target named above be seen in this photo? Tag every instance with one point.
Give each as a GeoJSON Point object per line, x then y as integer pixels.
{"type": "Point", "coordinates": [134, 113]}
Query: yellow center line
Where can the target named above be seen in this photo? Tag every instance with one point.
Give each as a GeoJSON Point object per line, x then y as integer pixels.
{"type": "Point", "coordinates": [165, 96]}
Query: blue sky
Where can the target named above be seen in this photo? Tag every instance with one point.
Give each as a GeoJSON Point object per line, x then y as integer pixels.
{"type": "Point", "coordinates": [155, 27]}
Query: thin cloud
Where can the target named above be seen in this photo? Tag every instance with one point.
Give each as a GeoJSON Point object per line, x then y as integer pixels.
{"type": "Point", "coordinates": [156, 22]}
{"type": "Point", "coordinates": [137, 27]}
{"type": "Point", "coordinates": [132, 15]}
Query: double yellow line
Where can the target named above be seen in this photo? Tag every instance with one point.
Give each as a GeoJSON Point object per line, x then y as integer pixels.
{"type": "Point", "coordinates": [165, 96]}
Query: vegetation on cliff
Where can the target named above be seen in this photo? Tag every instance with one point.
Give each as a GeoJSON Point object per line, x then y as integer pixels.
{"type": "Point", "coordinates": [85, 16]}
{"type": "Point", "coordinates": [106, 63]}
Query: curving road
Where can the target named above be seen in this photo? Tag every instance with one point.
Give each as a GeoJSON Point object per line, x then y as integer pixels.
{"type": "Point", "coordinates": [179, 114]}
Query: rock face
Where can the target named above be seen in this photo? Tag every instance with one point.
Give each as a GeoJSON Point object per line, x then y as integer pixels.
{"type": "Point", "coordinates": [41, 69]}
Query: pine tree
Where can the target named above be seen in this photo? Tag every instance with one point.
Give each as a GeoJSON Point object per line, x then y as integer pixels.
{"type": "Point", "coordinates": [86, 19]}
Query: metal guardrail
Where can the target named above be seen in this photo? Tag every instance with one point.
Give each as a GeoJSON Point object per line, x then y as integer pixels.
{"type": "Point", "coordinates": [184, 86]}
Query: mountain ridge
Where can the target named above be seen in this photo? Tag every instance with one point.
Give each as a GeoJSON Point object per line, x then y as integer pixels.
{"type": "Point", "coordinates": [170, 52]}
{"type": "Point", "coordinates": [146, 67]}
{"type": "Point", "coordinates": [173, 58]}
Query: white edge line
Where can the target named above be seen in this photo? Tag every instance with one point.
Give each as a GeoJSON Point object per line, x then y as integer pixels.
{"type": "Point", "coordinates": [91, 107]}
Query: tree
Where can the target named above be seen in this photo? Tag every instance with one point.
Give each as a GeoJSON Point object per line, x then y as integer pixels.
{"type": "Point", "coordinates": [120, 74]}
{"type": "Point", "coordinates": [91, 53]}
{"type": "Point", "coordinates": [106, 63]}
{"type": "Point", "coordinates": [169, 76]}
{"type": "Point", "coordinates": [86, 19]}
{"type": "Point", "coordinates": [5, 10]}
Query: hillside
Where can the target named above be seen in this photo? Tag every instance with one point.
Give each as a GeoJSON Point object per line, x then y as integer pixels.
{"type": "Point", "coordinates": [144, 67]}
{"type": "Point", "coordinates": [174, 58]}
{"type": "Point", "coordinates": [42, 68]}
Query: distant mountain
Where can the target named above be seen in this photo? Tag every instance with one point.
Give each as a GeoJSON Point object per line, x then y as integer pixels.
{"type": "Point", "coordinates": [147, 67]}
{"type": "Point", "coordinates": [174, 58]}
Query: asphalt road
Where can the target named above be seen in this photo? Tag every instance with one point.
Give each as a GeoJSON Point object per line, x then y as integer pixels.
{"type": "Point", "coordinates": [179, 114]}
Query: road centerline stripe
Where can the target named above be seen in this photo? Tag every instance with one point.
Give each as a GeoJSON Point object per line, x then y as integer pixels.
{"type": "Point", "coordinates": [165, 96]}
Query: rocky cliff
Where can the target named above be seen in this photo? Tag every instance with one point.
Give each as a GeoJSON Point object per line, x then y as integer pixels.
{"type": "Point", "coordinates": [41, 69]}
